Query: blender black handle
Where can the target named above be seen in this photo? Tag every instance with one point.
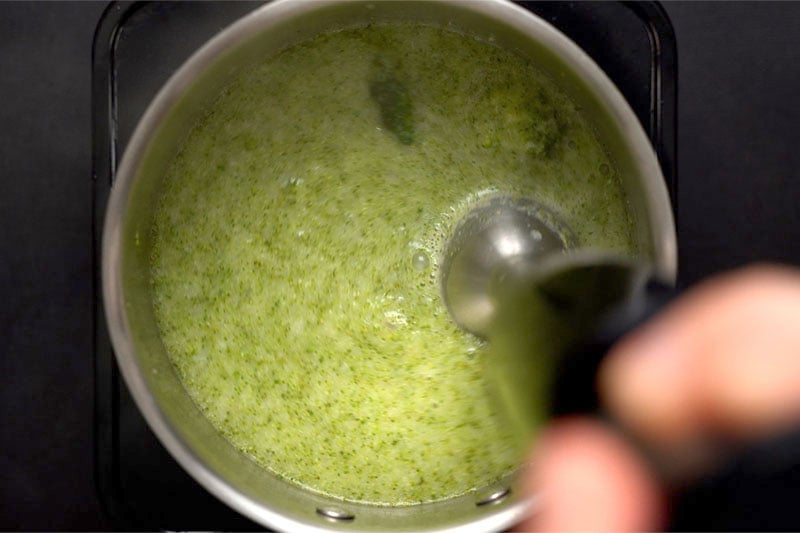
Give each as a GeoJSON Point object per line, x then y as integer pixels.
{"type": "Point", "coordinates": [575, 380]}
{"type": "Point", "coordinates": [575, 390]}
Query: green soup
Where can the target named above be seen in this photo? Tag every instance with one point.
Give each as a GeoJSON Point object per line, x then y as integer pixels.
{"type": "Point", "coordinates": [297, 241]}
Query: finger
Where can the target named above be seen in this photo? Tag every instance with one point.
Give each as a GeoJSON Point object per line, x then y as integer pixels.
{"type": "Point", "coordinates": [724, 357]}
{"type": "Point", "coordinates": [587, 478]}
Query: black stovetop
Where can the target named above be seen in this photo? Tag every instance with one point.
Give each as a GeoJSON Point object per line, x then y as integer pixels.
{"type": "Point", "coordinates": [738, 196]}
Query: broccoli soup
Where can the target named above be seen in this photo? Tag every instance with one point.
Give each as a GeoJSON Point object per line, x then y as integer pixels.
{"type": "Point", "coordinates": [297, 242]}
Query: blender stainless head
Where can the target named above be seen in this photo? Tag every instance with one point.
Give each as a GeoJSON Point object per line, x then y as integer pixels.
{"type": "Point", "coordinates": [509, 247]}
{"type": "Point", "coordinates": [494, 235]}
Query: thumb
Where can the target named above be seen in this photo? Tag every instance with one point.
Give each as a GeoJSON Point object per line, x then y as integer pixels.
{"type": "Point", "coordinates": [586, 477]}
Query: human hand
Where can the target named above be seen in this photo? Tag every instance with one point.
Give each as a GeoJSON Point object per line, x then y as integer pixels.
{"type": "Point", "coordinates": [724, 359]}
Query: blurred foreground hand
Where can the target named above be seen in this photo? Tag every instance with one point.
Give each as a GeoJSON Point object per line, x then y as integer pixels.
{"type": "Point", "coordinates": [723, 359]}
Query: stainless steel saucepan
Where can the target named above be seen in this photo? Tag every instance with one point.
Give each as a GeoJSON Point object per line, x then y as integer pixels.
{"type": "Point", "coordinates": [182, 428]}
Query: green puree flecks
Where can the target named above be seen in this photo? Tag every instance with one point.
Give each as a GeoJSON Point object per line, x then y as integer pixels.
{"type": "Point", "coordinates": [297, 241]}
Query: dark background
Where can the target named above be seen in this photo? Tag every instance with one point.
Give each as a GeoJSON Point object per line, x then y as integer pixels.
{"type": "Point", "coordinates": [739, 162]}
